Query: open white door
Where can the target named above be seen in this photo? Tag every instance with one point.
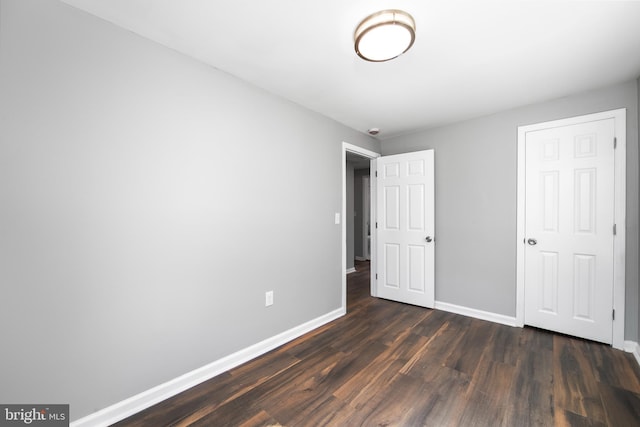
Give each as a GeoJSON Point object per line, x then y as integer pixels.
{"type": "Point", "coordinates": [405, 224]}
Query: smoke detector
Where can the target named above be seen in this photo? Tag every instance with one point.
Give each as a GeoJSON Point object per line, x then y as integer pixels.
{"type": "Point", "coordinates": [373, 131]}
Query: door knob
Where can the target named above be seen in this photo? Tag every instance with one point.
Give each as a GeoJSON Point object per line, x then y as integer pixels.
{"type": "Point", "coordinates": [532, 242]}
{"type": "Point", "coordinates": [428, 239]}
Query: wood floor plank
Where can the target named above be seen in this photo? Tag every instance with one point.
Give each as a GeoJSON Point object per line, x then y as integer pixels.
{"type": "Point", "coordinates": [428, 326]}
{"type": "Point", "coordinates": [362, 385]}
{"type": "Point", "coordinates": [240, 411]}
{"type": "Point", "coordinates": [441, 345]}
{"type": "Point", "coordinates": [533, 381]}
{"type": "Point", "coordinates": [476, 413]}
{"type": "Point", "coordinates": [262, 419]}
{"type": "Point", "coordinates": [490, 394]}
{"type": "Point", "coordinates": [419, 358]}
{"type": "Point", "coordinates": [308, 396]}
{"type": "Point", "coordinates": [612, 367]}
{"type": "Point", "coordinates": [622, 406]}
{"type": "Point", "coordinates": [447, 394]}
{"type": "Point", "coordinates": [570, 419]}
{"type": "Point", "coordinates": [469, 350]}
{"type": "Point", "coordinates": [280, 391]}
{"type": "Point", "coordinates": [328, 412]}
{"type": "Point", "coordinates": [535, 360]}
{"type": "Point", "coordinates": [404, 401]}
{"type": "Point", "coordinates": [532, 399]}
{"type": "Point", "coordinates": [501, 348]}
{"type": "Point", "coordinates": [575, 386]}
{"type": "Point", "coordinates": [392, 364]}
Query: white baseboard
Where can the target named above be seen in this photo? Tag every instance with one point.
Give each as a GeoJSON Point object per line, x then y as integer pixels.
{"type": "Point", "coordinates": [137, 403]}
{"type": "Point", "coordinates": [478, 314]}
{"type": "Point", "coordinates": [633, 348]}
{"type": "Point", "coordinates": [350, 270]}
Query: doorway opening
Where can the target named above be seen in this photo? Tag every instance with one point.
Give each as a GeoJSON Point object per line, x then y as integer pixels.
{"type": "Point", "coordinates": [354, 159]}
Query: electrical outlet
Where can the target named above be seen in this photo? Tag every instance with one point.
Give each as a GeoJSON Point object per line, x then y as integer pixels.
{"type": "Point", "coordinates": [268, 298]}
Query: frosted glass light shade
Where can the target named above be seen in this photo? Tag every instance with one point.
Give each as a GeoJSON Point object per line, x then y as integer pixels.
{"type": "Point", "coordinates": [385, 35]}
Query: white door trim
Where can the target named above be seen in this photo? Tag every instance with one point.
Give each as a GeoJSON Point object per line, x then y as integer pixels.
{"type": "Point", "coordinates": [346, 147]}
{"type": "Point", "coordinates": [620, 157]}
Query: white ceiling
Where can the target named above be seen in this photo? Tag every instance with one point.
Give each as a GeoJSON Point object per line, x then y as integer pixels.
{"type": "Point", "coordinates": [470, 58]}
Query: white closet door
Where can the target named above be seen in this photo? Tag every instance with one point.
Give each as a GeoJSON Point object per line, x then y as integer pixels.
{"type": "Point", "coordinates": [569, 217]}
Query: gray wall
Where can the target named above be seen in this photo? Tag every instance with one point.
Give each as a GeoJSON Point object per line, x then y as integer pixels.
{"type": "Point", "coordinates": [476, 167]}
{"type": "Point", "coordinates": [147, 203]}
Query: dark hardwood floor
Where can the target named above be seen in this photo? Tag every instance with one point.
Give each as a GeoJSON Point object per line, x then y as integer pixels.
{"type": "Point", "coordinates": [391, 364]}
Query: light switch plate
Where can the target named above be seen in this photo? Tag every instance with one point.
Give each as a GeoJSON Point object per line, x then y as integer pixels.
{"type": "Point", "coordinates": [268, 298]}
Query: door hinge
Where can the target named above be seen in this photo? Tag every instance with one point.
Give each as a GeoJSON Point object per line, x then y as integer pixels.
{"type": "Point", "coordinates": [376, 276]}
{"type": "Point", "coordinates": [615, 229]}
{"type": "Point", "coordinates": [376, 224]}
{"type": "Point", "coordinates": [613, 314]}
{"type": "Point", "coordinates": [615, 143]}
{"type": "Point", "coordinates": [376, 174]}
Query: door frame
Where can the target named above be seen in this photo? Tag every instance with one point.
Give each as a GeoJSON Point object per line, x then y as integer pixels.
{"type": "Point", "coordinates": [620, 157]}
{"type": "Point", "coordinates": [346, 147]}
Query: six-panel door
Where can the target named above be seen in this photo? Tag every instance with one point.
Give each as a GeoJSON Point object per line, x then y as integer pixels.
{"type": "Point", "coordinates": [569, 217]}
{"type": "Point", "coordinates": [405, 245]}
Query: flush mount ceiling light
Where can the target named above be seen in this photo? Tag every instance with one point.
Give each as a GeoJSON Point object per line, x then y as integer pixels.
{"type": "Point", "coordinates": [385, 35]}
